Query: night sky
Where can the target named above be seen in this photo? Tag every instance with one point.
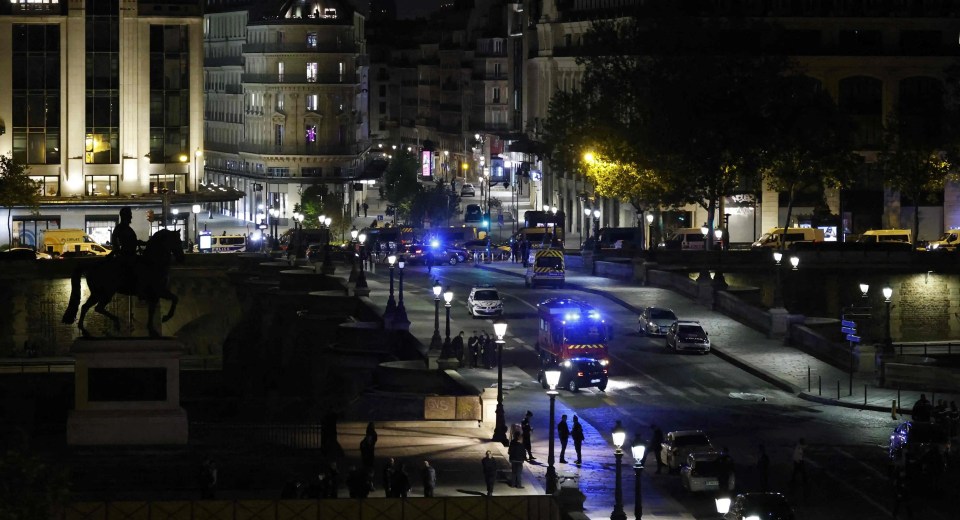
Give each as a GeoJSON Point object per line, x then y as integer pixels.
{"type": "Point", "coordinates": [411, 8]}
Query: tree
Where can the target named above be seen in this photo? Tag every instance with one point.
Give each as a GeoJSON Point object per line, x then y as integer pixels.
{"type": "Point", "coordinates": [400, 181]}
{"type": "Point", "coordinates": [436, 204]}
{"type": "Point", "coordinates": [316, 200]}
{"type": "Point", "coordinates": [810, 141]}
{"type": "Point", "coordinates": [16, 189]}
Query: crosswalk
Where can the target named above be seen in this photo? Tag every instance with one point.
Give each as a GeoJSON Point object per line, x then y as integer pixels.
{"type": "Point", "coordinates": [656, 390]}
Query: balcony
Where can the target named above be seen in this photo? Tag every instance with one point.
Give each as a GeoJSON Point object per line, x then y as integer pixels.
{"type": "Point", "coordinates": [297, 149]}
{"type": "Point", "coordinates": [300, 47]}
{"type": "Point", "coordinates": [214, 146]}
{"type": "Point", "coordinates": [323, 79]}
{"type": "Point", "coordinates": [223, 61]}
{"type": "Point", "coordinates": [489, 76]}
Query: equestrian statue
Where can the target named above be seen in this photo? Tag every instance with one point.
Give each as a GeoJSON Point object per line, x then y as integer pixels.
{"type": "Point", "coordinates": [127, 271]}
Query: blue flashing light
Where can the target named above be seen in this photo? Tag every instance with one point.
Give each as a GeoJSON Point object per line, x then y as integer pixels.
{"type": "Point", "coordinates": [572, 317]}
{"type": "Point", "coordinates": [434, 243]}
{"type": "Point", "coordinates": [484, 223]}
{"type": "Point", "coordinates": [594, 315]}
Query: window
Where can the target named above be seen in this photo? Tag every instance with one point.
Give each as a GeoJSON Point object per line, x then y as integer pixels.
{"type": "Point", "coordinates": [496, 94]}
{"type": "Point", "coordinates": [383, 91]}
{"type": "Point", "coordinates": [313, 102]}
{"type": "Point", "coordinates": [102, 185]}
{"type": "Point", "coordinates": [169, 93]}
{"type": "Point", "coordinates": [103, 82]}
{"type": "Point", "coordinates": [496, 70]}
{"type": "Point", "coordinates": [312, 40]}
{"type": "Point", "coordinates": [278, 135]}
{"type": "Point", "coordinates": [49, 185]}
{"type": "Point", "coordinates": [498, 46]}
{"type": "Point", "coordinates": [312, 72]}
{"type": "Point", "coordinates": [280, 71]}
{"type": "Point", "coordinates": [173, 183]}
{"type": "Point", "coordinates": [311, 134]}
{"type": "Point", "coordinates": [36, 94]}
{"type": "Point", "coordinates": [280, 101]}
{"type": "Point", "coordinates": [340, 71]}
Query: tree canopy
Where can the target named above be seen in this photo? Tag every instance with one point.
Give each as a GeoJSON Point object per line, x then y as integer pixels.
{"type": "Point", "coordinates": [400, 181]}
{"type": "Point", "coordinates": [16, 188]}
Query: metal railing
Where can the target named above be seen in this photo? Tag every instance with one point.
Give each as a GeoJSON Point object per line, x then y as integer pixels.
{"type": "Point", "coordinates": [300, 436]}
{"type": "Point", "coordinates": [348, 78]}
{"type": "Point", "coordinates": [66, 365]}
{"type": "Point", "coordinates": [303, 47]}
{"type": "Point", "coordinates": [927, 347]}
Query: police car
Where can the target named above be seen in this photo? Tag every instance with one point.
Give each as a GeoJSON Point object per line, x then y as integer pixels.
{"type": "Point", "coordinates": [484, 301]}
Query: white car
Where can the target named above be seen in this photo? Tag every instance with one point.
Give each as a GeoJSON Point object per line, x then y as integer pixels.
{"type": "Point", "coordinates": [468, 190]}
{"type": "Point", "coordinates": [678, 445]}
{"type": "Point", "coordinates": [688, 335]}
{"type": "Point", "coordinates": [703, 472]}
{"type": "Point", "coordinates": [655, 321]}
{"type": "Point", "coordinates": [484, 301]}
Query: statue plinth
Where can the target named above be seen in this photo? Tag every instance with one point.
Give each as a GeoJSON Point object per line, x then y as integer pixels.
{"type": "Point", "coordinates": [127, 391]}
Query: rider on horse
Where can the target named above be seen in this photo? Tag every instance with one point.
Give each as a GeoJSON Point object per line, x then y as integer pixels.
{"type": "Point", "coordinates": [125, 244]}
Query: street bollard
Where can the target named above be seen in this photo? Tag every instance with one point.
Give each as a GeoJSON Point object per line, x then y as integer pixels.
{"type": "Point", "coordinates": [819, 385]}
{"type": "Point", "coordinates": [808, 379]}
{"type": "Point", "coordinates": [838, 389]}
{"type": "Point", "coordinates": [893, 410]}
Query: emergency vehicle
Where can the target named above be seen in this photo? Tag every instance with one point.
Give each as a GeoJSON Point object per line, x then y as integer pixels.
{"type": "Point", "coordinates": [545, 266]}
{"type": "Point", "coordinates": [571, 329]}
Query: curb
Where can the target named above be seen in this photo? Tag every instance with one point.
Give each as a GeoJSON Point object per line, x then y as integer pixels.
{"type": "Point", "coordinates": [762, 374]}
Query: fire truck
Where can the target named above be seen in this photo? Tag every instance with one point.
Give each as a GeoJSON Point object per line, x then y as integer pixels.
{"type": "Point", "coordinates": [571, 329]}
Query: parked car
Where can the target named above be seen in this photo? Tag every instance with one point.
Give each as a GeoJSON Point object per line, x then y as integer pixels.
{"type": "Point", "coordinates": [655, 321]}
{"type": "Point", "coordinates": [912, 442]}
{"type": "Point", "coordinates": [473, 213]}
{"type": "Point", "coordinates": [766, 506]}
{"type": "Point", "coordinates": [499, 251]}
{"type": "Point", "coordinates": [468, 190]}
{"type": "Point", "coordinates": [577, 373]}
{"type": "Point", "coordinates": [24, 253]}
{"type": "Point", "coordinates": [704, 470]}
{"type": "Point", "coordinates": [688, 335]}
{"type": "Point", "coordinates": [484, 300]}
{"type": "Point", "coordinates": [678, 445]}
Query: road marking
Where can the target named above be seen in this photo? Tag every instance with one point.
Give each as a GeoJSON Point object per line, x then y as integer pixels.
{"type": "Point", "coordinates": [698, 392]}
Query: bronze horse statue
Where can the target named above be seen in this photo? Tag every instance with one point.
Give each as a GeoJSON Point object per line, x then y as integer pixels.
{"type": "Point", "coordinates": [105, 278]}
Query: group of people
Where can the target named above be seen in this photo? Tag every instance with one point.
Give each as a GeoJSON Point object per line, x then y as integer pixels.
{"type": "Point", "coordinates": [925, 411]}
{"type": "Point", "coordinates": [520, 251]}
{"type": "Point", "coordinates": [480, 351]}
{"type": "Point", "coordinates": [521, 444]}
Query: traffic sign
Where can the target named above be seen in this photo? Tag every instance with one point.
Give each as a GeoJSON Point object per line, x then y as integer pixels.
{"type": "Point", "coordinates": [853, 339]}
{"type": "Point", "coordinates": [379, 217]}
{"type": "Point", "coordinates": [848, 323]}
{"type": "Point", "coordinates": [848, 330]}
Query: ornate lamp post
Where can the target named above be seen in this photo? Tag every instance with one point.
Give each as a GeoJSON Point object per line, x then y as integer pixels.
{"type": "Point", "coordinates": [353, 258]}
{"type": "Point", "coordinates": [638, 449]}
{"type": "Point", "coordinates": [435, 341]}
{"type": "Point", "coordinates": [552, 375]}
{"type": "Point", "coordinates": [778, 288]}
{"type": "Point", "coordinates": [391, 303]}
{"type": "Point", "coordinates": [400, 318]}
{"type": "Point", "coordinates": [274, 225]}
{"type": "Point", "coordinates": [619, 435]}
{"type": "Point", "coordinates": [887, 294]}
{"type": "Point", "coordinates": [723, 505]}
{"type": "Point", "coordinates": [587, 213]}
{"type": "Point", "coordinates": [500, 430]}
{"type": "Point", "coordinates": [650, 243]}
{"type": "Point", "coordinates": [447, 299]}
{"type": "Point", "coordinates": [596, 223]}
{"type": "Point", "coordinates": [361, 277]}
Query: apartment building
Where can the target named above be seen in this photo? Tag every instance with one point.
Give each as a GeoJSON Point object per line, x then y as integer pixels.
{"type": "Point", "coordinates": [102, 99]}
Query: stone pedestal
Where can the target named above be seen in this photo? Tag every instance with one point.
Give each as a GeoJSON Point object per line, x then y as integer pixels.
{"type": "Point", "coordinates": [779, 321]}
{"type": "Point", "coordinates": [127, 392]}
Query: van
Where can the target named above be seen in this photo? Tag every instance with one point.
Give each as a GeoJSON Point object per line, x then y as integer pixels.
{"type": "Point", "coordinates": [685, 238]}
{"type": "Point", "coordinates": [539, 237]}
{"type": "Point", "coordinates": [877, 236]}
{"type": "Point", "coordinates": [772, 238]}
{"type": "Point", "coordinates": [545, 266]}
{"type": "Point", "coordinates": [948, 241]}
{"type": "Point", "coordinates": [60, 241]}
{"type": "Point", "coordinates": [629, 238]}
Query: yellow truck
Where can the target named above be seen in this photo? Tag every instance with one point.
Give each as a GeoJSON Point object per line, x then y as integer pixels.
{"type": "Point", "coordinates": [60, 241]}
{"type": "Point", "coordinates": [545, 266]}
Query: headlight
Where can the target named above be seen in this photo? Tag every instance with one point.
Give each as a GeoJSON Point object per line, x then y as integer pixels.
{"type": "Point", "coordinates": [604, 362]}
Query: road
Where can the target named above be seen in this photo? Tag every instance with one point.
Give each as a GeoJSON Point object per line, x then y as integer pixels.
{"type": "Point", "coordinates": [846, 470]}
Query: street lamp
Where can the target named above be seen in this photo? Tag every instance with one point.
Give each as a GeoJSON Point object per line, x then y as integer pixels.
{"type": "Point", "coordinates": [401, 316]}
{"type": "Point", "coordinates": [391, 303]}
{"type": "Point", "coordinates": [638, 449]}
{"type": "Point", "coordinates": [887, 294]}
{"type": "Point", "coordinates": [354, 272]}
{"type": "Point", "coordinates": [447, 299]}
{"type": "Point", "coordinates": [274, 220]}
{"type": "Point", "coordinates": [778, 288]}
{"type": "Point", "coordinates": [176, 212]}
{"type": "Point", "coordinates": [587, 212]}
{"type": "Point", "coordinates": [362, 238]}
{"type": "Point", "coordinates": [596, 223]}
{"type": "Point", "coordinates": [552, 375]}
{"type": "Point", "coordinates": [500, 429]}
{"type": "Point", "coordinates": [864, 289]}
{"type": "Point", "coordinates": [619, 436]}
{"type": "Point", "coordinates": [435, 341]}
{"type": "Point", "coordinates": [723, 505]}
{"type": "Point", "coordinates": [795, 262]}
{"type": "Point", "coordinates": [361, 277]}
{"type": "Point", "coordinates": [649, 230]}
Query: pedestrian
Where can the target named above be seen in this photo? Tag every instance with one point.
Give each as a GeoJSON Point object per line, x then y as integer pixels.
{"type": "Point", "coordinates": [489, 472]}
{"type": "Point", "coordinates": [358, 208]}
{"type": "Point", "coordinates": [563, 432]}
{"type": "Point", "coordinates": [725, 464]}
{"type": "Point", "coordinates": [478, 355]}
{"type": "Point", "coordinates": [488, 352]}
{"type": "Point", "coordinates": [798, 463]}
{"type": "Point", "coordinates": [388, 470]}
{"type": "Point", "coordinates": [429, 477]}
{"type": "Point", "coordinates": [527, 429]}
{"type": "Point", "coordinates": [921, 409]}
{"type": "Point", "coordinates": [472, 346]}
{"type": "Point", "coordinates": [456, 346]}
{"type": "Point", "coordinates": [577, 435]}
{"type": "Point", "coordinates": [763, 467]}
{"type": "Point", "coordinates": [358, 483]}
{"type": "Point", "coordinates": [517, 455]}
{"type": "Point", "coordinates": [332, 480]}
{"type": "Point", "coordinates": [654, 446]}
{"type": "Point", "coordinates": [365, 208]}
{"type": "Point", "coordinates": [367, 447]}
{"type": "Point", "coordinates": [208, 479]}
{"type": "Point", "coordinates": [400, 482]}
{"type": "Point", "coordinates": [428, 259]}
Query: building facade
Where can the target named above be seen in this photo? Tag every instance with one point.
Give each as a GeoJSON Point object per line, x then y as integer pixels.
{"type": "Point", "coordinates": [103, 100]}
{"type": "Point", "coordinates": [286, 103]}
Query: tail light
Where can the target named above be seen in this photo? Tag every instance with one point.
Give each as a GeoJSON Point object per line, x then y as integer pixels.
{"type": "Point", "coordinates": [604, 370]}
{"type": "Point", "coordinates": [579, 374]}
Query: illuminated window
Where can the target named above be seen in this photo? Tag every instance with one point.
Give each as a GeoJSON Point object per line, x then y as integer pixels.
{"type": "Point", "coordinates": [312, 40]}
{"type": "Point", "coordinates": [279, 100]}
{"type": "Point", "coordinates": [313, 100]}
{"type": "Point", "coordinates": [280, 70]}
{"type": "Point", "coordinates": [312, 72]}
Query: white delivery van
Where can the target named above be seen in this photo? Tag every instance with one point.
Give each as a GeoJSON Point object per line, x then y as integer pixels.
{"type": "Point", "coordinates": [876, 236]}
{"type": "Point", "coordinates": [773, 237]}
{"type": "Point", "coordinates": [60, 241]}
{"type": "Point", "coordinates": [685, 239]}
{"type": "Point", "coordinates": [948, 241]}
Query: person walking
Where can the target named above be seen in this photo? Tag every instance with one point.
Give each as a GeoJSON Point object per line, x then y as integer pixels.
{"type": "Point", "coordinates": [365, 208]}
{"type": "Point", "coordinates": [367, 447]}
{"type": "Point", "coordinates": [799, 467]}
{"type": "Point", "coordinates": [388, 470]}
{"type": "Point", "coordinates": [400, 482]}
{"type": "Point", "coordinates": [527, 429]}
{"type": "Point", "coordinates": [517, 455]}
{"type": "Point", "coordinates": [763, 467]}
{"type": "Point", "coordinates": [489, 472]}
{"type": "Point", "coordinates": [472, 346]}
{"type": "Point", "coordinates": [489, 353]}
{"type": "Point", "coordinates": [577, 435]}
{"type": "Point", "coordinates": [456, 348]}
{"type": "Point", "coordinates": [358, 208]}
{"type": "Point", "coordinates": [429, 477]}
{"type": "Point", "coordinates": [563, 433]}
{"type": "Point", "coordinates": [654, 446]}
